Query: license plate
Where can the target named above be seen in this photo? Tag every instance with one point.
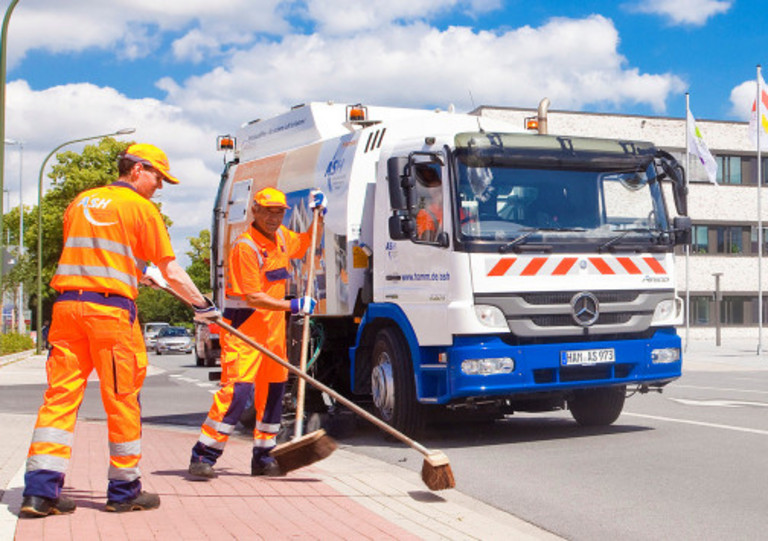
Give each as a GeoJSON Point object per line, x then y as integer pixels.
{"type": "Point", "coordinates": [585, 357]}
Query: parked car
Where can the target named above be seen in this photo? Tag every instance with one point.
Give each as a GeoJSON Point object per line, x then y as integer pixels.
{"type": "Point", "coordinates": [174, 340]}
{"type": "Point", "coordinates": [207, 348]}
{"type": "Point", "coordinates": [150, 332]}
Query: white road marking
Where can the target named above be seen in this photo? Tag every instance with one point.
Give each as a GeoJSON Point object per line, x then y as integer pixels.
{"type": "Point", "coordinates": [754, 391]}
{"type": "Point", "coordinates": [700, 423]}
{"type": "Point", "coordinates": [719, 403]}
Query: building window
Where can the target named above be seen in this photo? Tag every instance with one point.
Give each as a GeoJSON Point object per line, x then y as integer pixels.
{"type": "Point", "coordinates": [700, 310]}
{"type": "Point", "coordinates": [732, 310]}
{"type": "Point", "coordinates": [700, 239]}
{"type": "Point", "coordinates": [730, 240]}
{"type": "Point", "coordinates": [729, 169]}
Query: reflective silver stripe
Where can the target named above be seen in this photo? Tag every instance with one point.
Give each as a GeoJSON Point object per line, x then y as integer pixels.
{"type": "Point", "coordinates": [101, 272]}
{"type": "Point", "coordinates": [252, 245]}
{"type": "Point", "coordinates": [220, 427]}
{"type": "Point", "coordinates": [49, 434]}
{"type": "Point", "coordinates": [236, 302]}
{"type": "Point", "coordinates": [104, 245]}
{"type": "Point", "coordinates": [269, 428]}
{"type": "Point", "coordinates": [47, 462]}
{"type": "Point", "coordinates": [128, 448]}
{"type": "Point", "coordinates": [210, 442]}
{"type": "Point", "coordinates": [123, 474]}
{"type": "Point", "coordinates": [264, 444]}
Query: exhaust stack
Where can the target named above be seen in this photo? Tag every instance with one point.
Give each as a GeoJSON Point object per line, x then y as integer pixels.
{"type": "Point", "coordinates": [542, 116]}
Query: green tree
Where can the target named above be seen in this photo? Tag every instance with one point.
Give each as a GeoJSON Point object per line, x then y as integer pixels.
{"type": "Point", "coordinates": [200, 257]}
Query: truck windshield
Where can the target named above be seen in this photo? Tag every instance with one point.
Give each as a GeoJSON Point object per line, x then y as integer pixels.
{"type": "Point", "coordinates": [514, 201]}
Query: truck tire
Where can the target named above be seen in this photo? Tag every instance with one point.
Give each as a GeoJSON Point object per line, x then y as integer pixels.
{"type": "Point", "coordinates": [199, 361]}
{"type": "Point", "coordinates": [393, 386]}
{"type": "Point", "coordinates": [597, 407]}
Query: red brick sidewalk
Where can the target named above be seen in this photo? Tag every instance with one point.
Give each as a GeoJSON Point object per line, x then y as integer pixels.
{"type": "Point", "coordinates": [233, 506]}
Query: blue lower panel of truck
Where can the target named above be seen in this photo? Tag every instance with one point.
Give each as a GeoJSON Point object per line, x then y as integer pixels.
{"type": "Point", "coordinates": [542, 367]}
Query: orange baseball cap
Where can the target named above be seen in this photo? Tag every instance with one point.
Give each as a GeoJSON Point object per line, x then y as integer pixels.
{"type": "Point", "coordinates": [270, 197]}
{"type": "Point", "coordinates": [152, 156]}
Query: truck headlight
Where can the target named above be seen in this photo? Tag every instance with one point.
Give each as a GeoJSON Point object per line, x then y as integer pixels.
{"type": "Point", "coordinates": [665, 355]}
{"type": "Point", "coordinates": [668, 312]}
{"type": "Point", "coordinates": [487, 367]}
{"type": "Point", "coordinates": [490, 316]}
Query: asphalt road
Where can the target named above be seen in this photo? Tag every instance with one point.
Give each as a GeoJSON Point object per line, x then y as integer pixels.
{"type": "Point", "coordinates": [685, 464]}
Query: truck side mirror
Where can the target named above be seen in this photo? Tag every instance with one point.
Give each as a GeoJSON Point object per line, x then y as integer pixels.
{"type": "Point", "coordinates": [682, 229]}
{"type": "Point", "coordinates": [401, 227]}
{"type": "Point", "coordinates": [398, 171]}
{"type": "Point", "coordinates": [676, 175]}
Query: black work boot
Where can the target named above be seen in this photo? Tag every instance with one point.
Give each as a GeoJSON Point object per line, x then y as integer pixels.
{"type": "Point", "coordinates": [37, 506]}
{"type": "Point", "coordinates": [142, 502]}
{"type": "Point", "coordinates": [266, 466]}
{"type": "Point", "coordinates": [201, 470]}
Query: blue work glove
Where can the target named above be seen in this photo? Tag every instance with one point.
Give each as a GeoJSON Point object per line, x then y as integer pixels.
{"type": "Point", "coordinates": [318, 200]}
{"type": "Point", "coordinates": [303, 306]}
{"type": "Point", "coordinates": [208, 313]}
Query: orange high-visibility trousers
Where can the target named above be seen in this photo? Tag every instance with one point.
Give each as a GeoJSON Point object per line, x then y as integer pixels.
{"type": "Point", "coordinates": [246, 372]}
{"type": "Point", "coordinates": [84, 336]}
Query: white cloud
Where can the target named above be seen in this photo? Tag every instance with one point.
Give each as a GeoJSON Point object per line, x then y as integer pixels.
{"type": "Point", "coordinates": [683, 12]}
{"type": "Point", "coordinates": [132, 28]}
{"type": "Point", "coordinates": [742, 98]}
{"type": "Point", "coordinates": [573, 62]}
{"type": "Point", "coordinates": [354, 16]}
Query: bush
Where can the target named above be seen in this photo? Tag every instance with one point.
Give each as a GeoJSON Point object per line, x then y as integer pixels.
{"type": "Point", "coordinates": [14, 342]}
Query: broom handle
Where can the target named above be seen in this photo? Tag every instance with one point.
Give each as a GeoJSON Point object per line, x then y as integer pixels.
{"type": "Point", "coordinates": [316, 384]}
{"type": "Point", "coordinates": [301, 385]}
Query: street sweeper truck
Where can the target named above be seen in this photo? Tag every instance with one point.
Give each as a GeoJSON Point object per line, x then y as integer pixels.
{"type": "Point", "coordinates": [469, 264]}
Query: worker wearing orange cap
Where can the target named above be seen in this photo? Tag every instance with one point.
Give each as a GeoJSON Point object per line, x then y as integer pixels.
{"type": "Point", "coordinates": [110, 232]}
{"type": "Point", "coordinates": [259, 264]}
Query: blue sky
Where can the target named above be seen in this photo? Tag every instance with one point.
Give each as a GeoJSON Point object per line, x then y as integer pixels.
{"type": "Point", "coordinates": [182, 71]}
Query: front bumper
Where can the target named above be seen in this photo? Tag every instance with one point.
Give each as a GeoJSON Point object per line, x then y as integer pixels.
{"type": "Point", "coordinates": [538, 368]}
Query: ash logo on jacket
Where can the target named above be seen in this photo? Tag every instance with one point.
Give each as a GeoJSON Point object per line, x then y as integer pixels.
{"type": "Point", "coordinates": [88, 203]}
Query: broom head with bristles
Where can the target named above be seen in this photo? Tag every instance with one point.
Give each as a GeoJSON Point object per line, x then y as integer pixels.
{"type": "Point", "coordinates": [303, 451]}
{"type": "Point", "coordinates": [436, 471]}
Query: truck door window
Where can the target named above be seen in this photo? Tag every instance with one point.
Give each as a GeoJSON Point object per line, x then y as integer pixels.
{"type": "Point", "coordinates": [427, 210]}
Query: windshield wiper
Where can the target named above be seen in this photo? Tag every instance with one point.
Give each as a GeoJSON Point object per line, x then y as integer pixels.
{"type": "Point", "coordinates": [609, 244]}
{"type": "Point", "coordinates": [516, 243]}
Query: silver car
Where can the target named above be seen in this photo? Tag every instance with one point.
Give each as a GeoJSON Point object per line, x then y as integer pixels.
{"type": "Point", "coordinates": [174, 340]}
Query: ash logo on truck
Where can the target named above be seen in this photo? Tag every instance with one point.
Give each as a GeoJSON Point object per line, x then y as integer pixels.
{"type": "Point", "coordinates": [334, 171]}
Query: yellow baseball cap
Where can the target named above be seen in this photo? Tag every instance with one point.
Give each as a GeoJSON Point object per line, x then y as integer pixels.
{"type": "Point", "coordinates": [152, 156]}
{"type": "Point", "coordinates": [270, 197]}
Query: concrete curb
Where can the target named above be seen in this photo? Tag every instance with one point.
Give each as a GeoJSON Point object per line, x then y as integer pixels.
{"type": "Point", "coordinates": [14, 357]}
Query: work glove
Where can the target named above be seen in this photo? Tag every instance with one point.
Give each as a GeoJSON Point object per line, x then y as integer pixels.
{"type": "Point", "coordinates": [303, 306]}
{"type": "Point", "coordinates": [153, 278]}
{"type": "Point", "coordinates": [318, 200]}
{"type": "Point", "coordinates": [208, 313]}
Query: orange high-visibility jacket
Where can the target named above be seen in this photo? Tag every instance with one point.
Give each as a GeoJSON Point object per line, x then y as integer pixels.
{"type": "Point", "coordinates": [110, 233]}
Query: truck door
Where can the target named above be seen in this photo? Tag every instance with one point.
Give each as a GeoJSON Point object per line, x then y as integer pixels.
{"type": "Point", "coordinates": [415, 271]}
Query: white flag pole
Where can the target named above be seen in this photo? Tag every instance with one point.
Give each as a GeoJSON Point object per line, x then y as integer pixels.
{"type": "Point", "coordinates": [759, 220]}
{"type": "Point", "coordinates": [687, 246]}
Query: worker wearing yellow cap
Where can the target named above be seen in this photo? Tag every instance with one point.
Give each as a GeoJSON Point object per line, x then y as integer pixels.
{"type": "Point", "coordinates": [110, 234]}
{"type": "Point", "coordinates": [259, 265]}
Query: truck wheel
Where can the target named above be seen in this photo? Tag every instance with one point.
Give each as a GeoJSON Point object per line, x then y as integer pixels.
{"type": "Point", "coordinates": [393, 386]}
{"type": "Point", "coordinates": [597, 407]}
{"type": "Point", "coordinates": [199, 361]}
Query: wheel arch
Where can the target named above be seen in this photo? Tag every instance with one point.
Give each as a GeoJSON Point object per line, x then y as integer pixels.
{"type": "Point", "coordinates": [379, 316]}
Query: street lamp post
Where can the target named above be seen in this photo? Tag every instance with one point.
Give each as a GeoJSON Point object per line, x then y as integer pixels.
{"type": "Point", "coordinates": [21, 326]}
{"type": "Point", "coordinates": [3, 36]}
{"type": "Point", "coordinates": [39, 311]}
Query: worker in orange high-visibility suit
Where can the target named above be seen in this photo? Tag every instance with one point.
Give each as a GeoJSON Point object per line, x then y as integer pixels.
{"type": "Point", "coordinates": [109, 234]}
{"type": "Point", "coordinates": [259, 264]}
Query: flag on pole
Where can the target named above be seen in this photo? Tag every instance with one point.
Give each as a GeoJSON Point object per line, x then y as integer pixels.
{"type": "Point", "coordinates": [759, 118]}
{"type": "Point", "coordinates": [699, 148]}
